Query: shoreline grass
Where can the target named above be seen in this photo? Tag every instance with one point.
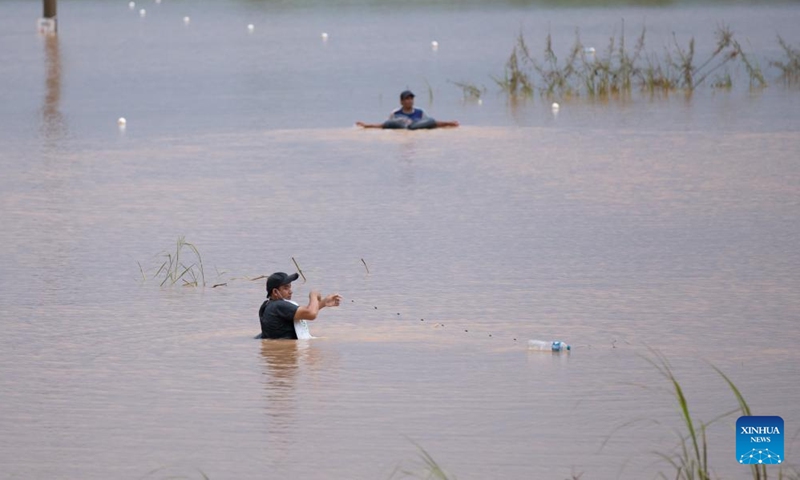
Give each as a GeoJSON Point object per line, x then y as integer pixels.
{"type": "Point", "coordinates": [689, 461]}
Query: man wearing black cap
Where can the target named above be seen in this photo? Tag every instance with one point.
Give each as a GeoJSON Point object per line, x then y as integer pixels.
{"type": "Point", "coordinates": [281, 317]}
{"type": "Point", "coordinates": [408, 117]}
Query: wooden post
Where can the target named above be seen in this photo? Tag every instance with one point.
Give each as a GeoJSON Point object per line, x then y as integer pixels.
{"type": "Point", "coordinates": [49, 9]}
{"type": "Point", "coordinates": [47, 24]}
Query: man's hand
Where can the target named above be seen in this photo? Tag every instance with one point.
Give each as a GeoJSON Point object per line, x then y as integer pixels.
{"type": "Point", "coordinates": [331, 300]}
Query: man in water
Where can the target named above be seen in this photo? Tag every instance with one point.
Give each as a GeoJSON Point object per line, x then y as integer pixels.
{"type": "Point", "coordinates": [408, 117]}
{"type": "Point", "coordinates": [281, 317]}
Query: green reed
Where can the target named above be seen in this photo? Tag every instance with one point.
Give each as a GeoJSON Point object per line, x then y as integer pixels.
{"type": "Point", "coordinates": [790, 68]}
{"type": "Point", "coordinates": [184, 265]}
{"type": "Point", "coordinates": [612, 72]}
{"type": "Point", "coordinates": [620, 69]}
{"type": "Point", "coordinates": [691, 460]}
{"type": "Point", "coordinates": [752, 67]}
{"type": "Point", "coordinates": [557, 79]}
{"type": "Point", "coordinates": [430, 468]}
{"type": "Point", "coordinates": [430, 91]}
{"type": "Point", "coordinates": [470, 91]}
{"type": "Point", "coordinates": [517, 79]}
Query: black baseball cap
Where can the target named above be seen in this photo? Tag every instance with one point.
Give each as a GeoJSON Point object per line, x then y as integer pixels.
{"type": "Point", "coordinates": [279, 279]}
{"type": "Point", "coordinates": [405, 94]}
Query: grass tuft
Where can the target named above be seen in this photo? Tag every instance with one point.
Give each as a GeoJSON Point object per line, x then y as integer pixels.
{"type": "Point", "coordinates": [174, 268]}
{"type": "Point", "coordinates": [691, 460]}
{"type": "Point", "coordinates": [516, 81]}
{"type": "Point", "coordinates": [430, 468]}
{"type": "Point", "coordinates": [790, 68]}
{"type": "Point", "coordinates": [470, 91]}
{"type": "Point", "coordinates": [619, 70]}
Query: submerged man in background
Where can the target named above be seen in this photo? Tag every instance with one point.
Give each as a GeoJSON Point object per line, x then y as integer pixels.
{"type": "Point", "coordinates": [281, 317]}
{"type": "Point", "coordinates": [408, 117]}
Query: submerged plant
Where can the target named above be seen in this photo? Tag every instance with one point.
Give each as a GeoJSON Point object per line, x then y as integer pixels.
{"type": "Point", "coordinates": [470, 90]}
{"type": "Point", "coordinates": [176, 267]}
{"type": "Point", "coordinates": [618, 70]}
{"type": "Point", "coordinates": [790, 69]}
{"type": "Point", "coordinates": [430, 91]}
{"type": "Point", "coordinates": [557, 80]}
{"type": "Point", "coordinates": [516, 80]}
{"type": "Point", "coordinates": [615, 71]}
{"type": "Point", "coordinates": [723, 82]}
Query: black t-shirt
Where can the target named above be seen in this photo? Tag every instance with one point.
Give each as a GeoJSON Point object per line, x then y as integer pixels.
{"type": "Point", "coordinates": [277, 319]}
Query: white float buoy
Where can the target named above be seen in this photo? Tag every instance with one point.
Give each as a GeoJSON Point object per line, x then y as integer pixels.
{"type": "Point", "coordinates": [324, 36]}
{"type": "Point", "coordinates": [122, 122]}
{"type": "Point", "coordinates": [435, 45]}
{"type": "Point", "coordinates": [250, 28]}
{"type": "Point", "coordinates": [589, 50]}
{"type": "Point", "coordinates": [480, 101]}
{"type": "Point", "coordinates": [132, 5]}
{"type": "Point", "coordinates": [186, 20]}
{"type": "Point", "coordinates": [142, 12]}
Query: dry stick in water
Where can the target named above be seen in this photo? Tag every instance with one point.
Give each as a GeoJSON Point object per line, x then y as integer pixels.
{"type": "Point", "coordinates": [365, 265]}
{"type": "Point", "coordinates": [299, 270]}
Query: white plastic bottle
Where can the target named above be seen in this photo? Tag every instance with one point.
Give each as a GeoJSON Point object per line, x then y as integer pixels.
{"type": "Point", "coordinates": [554, 346]}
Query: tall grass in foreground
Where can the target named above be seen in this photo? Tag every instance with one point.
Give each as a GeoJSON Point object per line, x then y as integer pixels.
{"type": "Point", "coordinates": [618, 69]}
{"type": "Point", "coordinates": [430, 468]}
{"type": "Point", "coordinates": [691, 459]}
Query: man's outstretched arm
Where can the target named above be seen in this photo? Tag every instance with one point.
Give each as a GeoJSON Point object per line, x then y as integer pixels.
{"type": "Point", "coordinates": [453, 123]}
{"type": "Point", "coordinates": [316, 302]}
{"type": "Point", "coordinates": [369, 125]}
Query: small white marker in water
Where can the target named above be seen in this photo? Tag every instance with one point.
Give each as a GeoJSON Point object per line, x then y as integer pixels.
{"type": "Point", "coordinates": [186, 20]}
{"type": "Point", "coordinates": [250, 28]}
{"type": "Point", "coordinates": [435, 45]}
{"type": "Point", "coordinates": [132, 5]}
{"type": "Point", "coordinates": [324, 36]}
{"type": "Point", "coordinates": [589, 50]}
{"type": "Point", "coordinates": [122, 122]}
{"type": "Point", "coordinates": [480, 101]}
{"type": "Point", "coordinates": [142, 12]}
{"type": "Point", "coordinates": [555, 106]}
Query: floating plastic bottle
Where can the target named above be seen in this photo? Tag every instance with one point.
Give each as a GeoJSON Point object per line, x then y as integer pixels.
{"type": "Point", "coordinates": [547, 346]}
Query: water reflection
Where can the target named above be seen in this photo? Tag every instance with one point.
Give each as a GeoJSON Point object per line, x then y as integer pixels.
{"type": "Point", "coordinates": [544, 359]}
{"type": "Point", "coordinates": [284, 360]}
{"type": "Point", "coordinates": [281, 359]}
{"type": "Point", "coordinates": [408, 151]}
{"type": "Point", "coordinates": [53, 126]}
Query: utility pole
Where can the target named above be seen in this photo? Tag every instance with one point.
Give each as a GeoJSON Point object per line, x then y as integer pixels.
{"type": "Point", "coordinates": [47, 24]}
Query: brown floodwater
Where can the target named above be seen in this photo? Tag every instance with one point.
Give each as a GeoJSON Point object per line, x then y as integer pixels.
{"type": "Point", "coordinates": [623, 228]}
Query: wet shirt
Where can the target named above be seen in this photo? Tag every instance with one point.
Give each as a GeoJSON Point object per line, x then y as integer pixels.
{"type": "Point", "coordinates": [409, 118]}
{"type": "Point", "coordinates": [277, 319]}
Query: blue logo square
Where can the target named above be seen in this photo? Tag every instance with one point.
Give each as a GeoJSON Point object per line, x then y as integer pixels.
{"type": "Point", "coordinates": [759, 440]}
